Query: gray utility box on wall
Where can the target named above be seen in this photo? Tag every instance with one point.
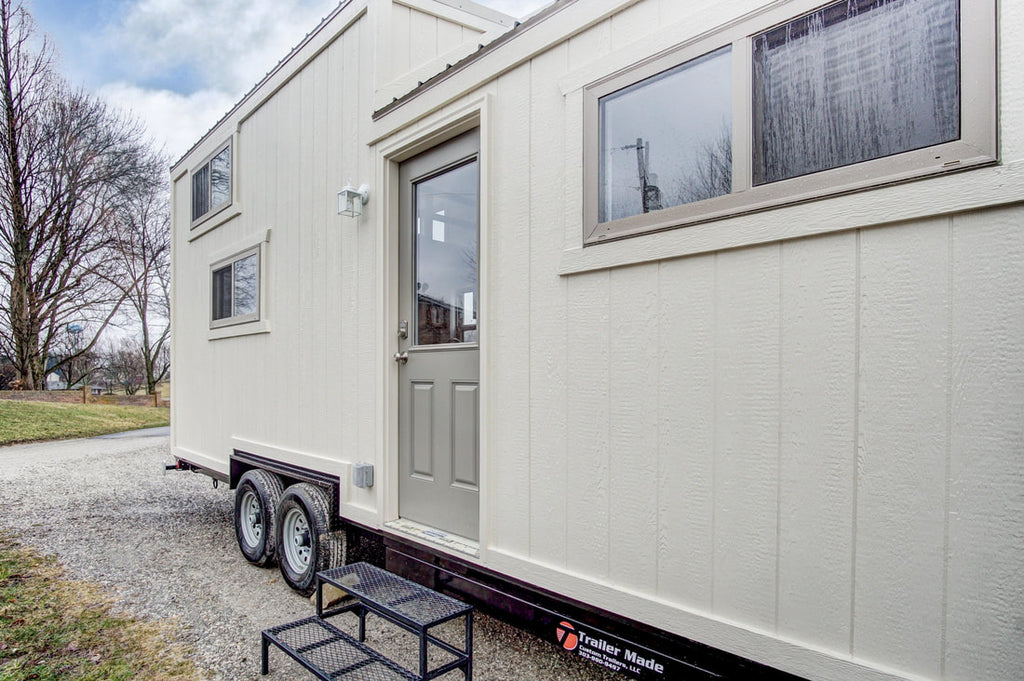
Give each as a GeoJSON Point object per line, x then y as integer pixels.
{"type": "Point", "coordinates": [362, 475]}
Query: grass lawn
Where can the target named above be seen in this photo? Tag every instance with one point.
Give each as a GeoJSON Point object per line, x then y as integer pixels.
{"type": "Point", "coordinates": [54, 628]}
{"type": "Point", "coordinates": [34, 421]}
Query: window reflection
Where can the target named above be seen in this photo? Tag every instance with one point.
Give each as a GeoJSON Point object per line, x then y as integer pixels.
{"type": "Point", "coordinates": [447, 210]}
{"type": "Point", "coordinates": [854, 81]}
{"type": "Point", "coordinates": [245, 286]}
{"type": "Point", "coordinates": [235, 289]}
{"type": "Point", "coordinates": [211, 184]}
{"type": "Point", "coordinates": [667, 140]}
{"type": "Point", "coordinates": [220, 178]}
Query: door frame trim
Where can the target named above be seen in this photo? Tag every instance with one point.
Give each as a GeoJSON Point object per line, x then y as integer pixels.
{"type": "Point", "coordinates": [391, 152]}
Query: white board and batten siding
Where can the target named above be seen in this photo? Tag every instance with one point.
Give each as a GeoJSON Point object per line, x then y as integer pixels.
{"type": "Point", "coordinates": [305, 389]}
{"type": "Point", "coordinates": [796, 435]}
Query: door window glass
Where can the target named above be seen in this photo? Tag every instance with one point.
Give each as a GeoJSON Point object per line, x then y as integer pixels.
{"type": "Point", "coordinates": [446, 209]}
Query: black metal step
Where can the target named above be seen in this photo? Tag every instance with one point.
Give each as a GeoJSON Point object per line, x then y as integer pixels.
{"type": "Point", "coordinates": [330, 653]}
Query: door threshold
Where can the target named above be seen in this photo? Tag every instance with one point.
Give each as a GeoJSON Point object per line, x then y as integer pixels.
{"type": "Point", "coordinates": [453, 542]}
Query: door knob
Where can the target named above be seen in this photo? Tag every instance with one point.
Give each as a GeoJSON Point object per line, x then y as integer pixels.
{"type": "Point", "coordinates": [401, 357]}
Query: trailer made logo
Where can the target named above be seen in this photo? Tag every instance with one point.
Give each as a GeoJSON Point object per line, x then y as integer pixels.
{"type": "Point", "coordinates": [566, 635]}
{"type": "Point", "coordinates": [617, 656]}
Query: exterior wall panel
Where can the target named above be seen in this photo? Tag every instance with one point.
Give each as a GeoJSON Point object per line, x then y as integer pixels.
{"type": "Point", "coordinates": [550, 337]}
{"type": "Point", "coordinates": [817, 432]}
{"type": "Point", "coordinates": [505, 321]}
{"type": "Point", "coordinates": [902, 445]}
{"type": "Point", "coordinates": [984, 497]}
{"type": "Point", "coordinates": [686, 410]}
{"type": "Point", "coordinates": [634, 353]}
{"type": "Point", "coordinates": [588, 490]}
{"type": "Point", "coordinates": [746, 453]}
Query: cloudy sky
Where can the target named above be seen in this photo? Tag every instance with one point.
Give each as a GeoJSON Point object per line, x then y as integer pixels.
{"type": "Point", "coordinates": [179, 65]}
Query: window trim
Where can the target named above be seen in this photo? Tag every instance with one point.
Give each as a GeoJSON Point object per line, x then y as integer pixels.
{"type": "Point", "coordinates": [235, 320]}
{"type": "Point", "coordinates": [213, 210]}
{"type": "Point", "coordinates": [977, 146]}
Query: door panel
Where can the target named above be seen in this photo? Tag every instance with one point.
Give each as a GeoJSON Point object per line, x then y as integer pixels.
{"type": "Point", "coordinates": [438, 410]}
{"type": "Point", "coordinates": [465, 434]}
{"type": "Point", "coordinates": [422, 430]}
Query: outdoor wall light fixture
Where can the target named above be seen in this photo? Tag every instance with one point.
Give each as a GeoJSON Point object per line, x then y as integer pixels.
{"type": "Point", "coordinates": [351, 200]}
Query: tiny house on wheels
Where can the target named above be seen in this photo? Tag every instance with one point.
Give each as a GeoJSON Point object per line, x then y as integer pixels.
{"type": "Point", "coordinates": [687, 335]}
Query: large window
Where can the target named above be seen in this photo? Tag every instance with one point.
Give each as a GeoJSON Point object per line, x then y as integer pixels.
{"type": "Point", "coordinates": [235, 289]}
{"type": "Point", "coordinates": [848, 96]}
{"type": "Point", "coordinates": [211, 184]}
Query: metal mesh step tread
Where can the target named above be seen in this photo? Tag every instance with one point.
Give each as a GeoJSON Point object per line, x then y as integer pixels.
{"type": "Point", "coordinates": [420, 605]}
{"type": "Point", "coordinates": [330, 653]}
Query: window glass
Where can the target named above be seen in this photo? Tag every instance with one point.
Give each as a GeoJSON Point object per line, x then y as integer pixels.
{"type": "Point", "coordinates": [211, 184]}
{"type": "Point", "coordinates": [667, 140]}
{"type": "Point", "coordinates": [447, 211]}
{"type": "Point", "coordinates": [220, 178]}
{"type": "Point", "coordinates": [245, 291]}
{"type": "Point", "coordinates": [854, 81]}
{"type": "Point", "coordinates": [200, 192]}
{"type": "Point", "coordinates": [222, 293]}
{"type": "Point", "coordinates": [235, 290]}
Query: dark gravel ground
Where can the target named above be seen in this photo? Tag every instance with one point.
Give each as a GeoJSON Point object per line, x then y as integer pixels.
{"type": "Point", "coordinates": [164, 546]}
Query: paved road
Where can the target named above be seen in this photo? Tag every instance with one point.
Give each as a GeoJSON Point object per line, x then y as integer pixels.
{"type": "Point", "coordinates": [159, 431]}
{"type": "Point", "coordinates": [164, 545]}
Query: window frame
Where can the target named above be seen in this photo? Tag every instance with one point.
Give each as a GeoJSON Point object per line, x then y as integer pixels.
{"type": "Point", "coordinates": [231, 260]}
{"type": "Point", "coordinates": [977, 146]}
{"type": "Point", "coordinates": [211, 211]}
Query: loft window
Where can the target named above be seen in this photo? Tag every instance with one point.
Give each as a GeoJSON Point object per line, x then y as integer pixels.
{"type": "Point", "coordinates": [211, 184]}
{"type": "Point", "coordinates": [235, 289]}
{"type": "Point", "coordinates": [776, 110]}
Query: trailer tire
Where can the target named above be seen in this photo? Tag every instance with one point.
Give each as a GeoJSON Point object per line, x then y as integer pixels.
{"type": "Point", "coordinates": [257, 498]}
{"type": "Point", "coordinates": [304, 538]}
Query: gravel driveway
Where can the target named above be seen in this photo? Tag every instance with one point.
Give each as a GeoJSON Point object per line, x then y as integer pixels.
{"type": "Point", "coordinates": [164, 546]}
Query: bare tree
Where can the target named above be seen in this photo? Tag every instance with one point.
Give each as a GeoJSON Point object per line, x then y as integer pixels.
{"type": "Point", "coordinates": [713, 173]}
{"type": "Point", "coordinates": [123, 366]}
{"type": "Point", "coordinates": [65, 159]}
{"type": "Point", "coordinates": [142, 246]}
{"type": "Point", "coordinates": [8, 376]}
{"type": "Point", "coordinates": [77, 366]}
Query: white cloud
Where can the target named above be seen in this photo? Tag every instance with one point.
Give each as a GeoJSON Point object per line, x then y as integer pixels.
{"type": "Point", "coordinates": [214, 52]}
{"type": "Point", "coordinates": [176, 120]}
{"type": "Point", "coordinates": [226, 45]}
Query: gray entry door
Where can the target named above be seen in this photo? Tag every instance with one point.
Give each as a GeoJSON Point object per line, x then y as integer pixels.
{"type": "Point", "coordinates": [439, 352]}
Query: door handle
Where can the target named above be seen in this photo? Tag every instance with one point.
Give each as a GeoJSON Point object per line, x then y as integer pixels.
{"type": "Point", "coordinates": [401, 357]}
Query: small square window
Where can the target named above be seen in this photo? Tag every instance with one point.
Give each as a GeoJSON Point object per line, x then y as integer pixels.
{"type": "Point", "coordinates": [211, 184]}
{"type": "Point", "coordinates": [235, 289]}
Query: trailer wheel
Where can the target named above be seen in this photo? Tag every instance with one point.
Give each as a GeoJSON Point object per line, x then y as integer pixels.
{"type": "Point", "coordinates": [304, 536]}
{"type": "Point", "coordinates": [256, 500]}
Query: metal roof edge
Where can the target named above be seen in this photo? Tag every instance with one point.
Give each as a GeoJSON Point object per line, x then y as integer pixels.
{"type": "Point", "coordinates": [518, 29]}
{"type": "Point", "coordinates": [479, 10]}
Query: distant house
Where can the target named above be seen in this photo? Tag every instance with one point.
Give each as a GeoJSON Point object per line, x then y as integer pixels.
{"type": "Point", "coordinates": [687, 335]}
{"type": "Point", "coordinates": [55, 381]}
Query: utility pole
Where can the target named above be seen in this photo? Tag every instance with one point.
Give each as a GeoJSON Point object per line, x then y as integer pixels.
{"type": "Point", "coordinates": [650, 193]}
